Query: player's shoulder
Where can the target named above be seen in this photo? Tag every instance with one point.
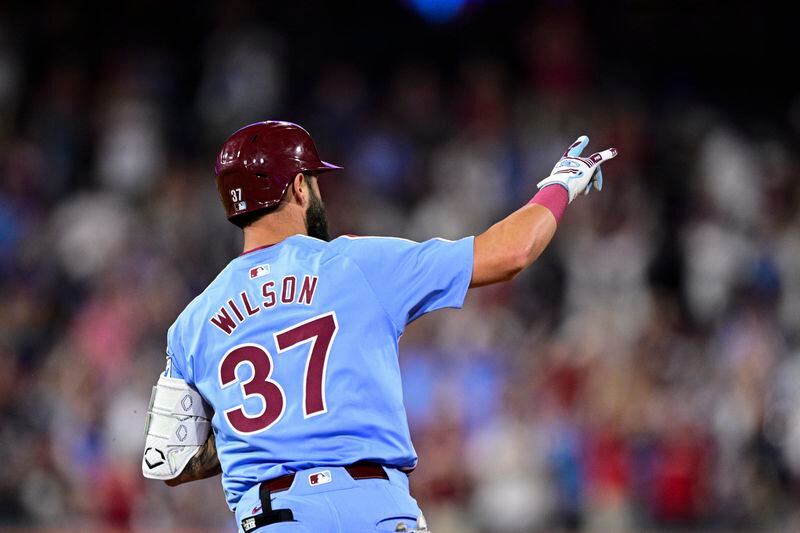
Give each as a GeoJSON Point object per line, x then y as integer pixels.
{"type": "Point", "coordinates": [308, 243]}
{"type": "Point", "coordinates": [365, 239]}
{"type": "Point", "coordinates": [380, 247]}
{"type": "Point", "coordinates": [358, 245]}
{"type": "Point", "coordinates": [345, 246]}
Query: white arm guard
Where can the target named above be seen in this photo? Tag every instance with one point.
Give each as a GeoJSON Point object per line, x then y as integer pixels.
{"type": "Point", "coordinates": [177, 426]}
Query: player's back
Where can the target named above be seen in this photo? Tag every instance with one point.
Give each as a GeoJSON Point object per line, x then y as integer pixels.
{"type": "Point", "coordinates": [295, 348]}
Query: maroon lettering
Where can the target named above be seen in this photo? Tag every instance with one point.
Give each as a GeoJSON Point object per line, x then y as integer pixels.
{"type": "Point", "coordinates": [307, 292]}
{"type": "Point", "coordinates": [235, 310]}
{"type": "Point", "coordinates": [287, 289]}
{"type": "Point", "coordinates": [247, 307]}
{"type": "Point", "coordinates": [321, 330]}
{"type": "Point", "coordinates": [259, 384]}
{"type": "Point", "coordinates": [224, 321]}
{"type": "Point", "coordinates": [268, 293]}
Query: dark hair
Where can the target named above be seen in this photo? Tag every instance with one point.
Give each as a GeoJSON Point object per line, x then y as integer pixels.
{"type": "Point", "coordinates": [242, 221]}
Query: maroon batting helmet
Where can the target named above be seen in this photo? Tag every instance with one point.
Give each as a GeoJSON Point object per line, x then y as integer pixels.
{"type": "Point", "coordinates": [257, 163]}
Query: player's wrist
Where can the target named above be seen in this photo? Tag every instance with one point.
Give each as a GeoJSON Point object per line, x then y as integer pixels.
{"type": "Point", "coordinates": [554, 197]}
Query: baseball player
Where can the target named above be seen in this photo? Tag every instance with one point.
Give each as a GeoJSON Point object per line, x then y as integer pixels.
{"type": "Point", "coordinates": [283, 374]}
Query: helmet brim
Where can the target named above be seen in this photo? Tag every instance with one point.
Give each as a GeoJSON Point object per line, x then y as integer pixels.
{"type": "Point", "coordinates": [327, 167]}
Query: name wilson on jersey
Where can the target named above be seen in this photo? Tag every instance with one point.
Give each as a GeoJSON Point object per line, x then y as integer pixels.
{"type": "Point", "coordinates": [289, 291]}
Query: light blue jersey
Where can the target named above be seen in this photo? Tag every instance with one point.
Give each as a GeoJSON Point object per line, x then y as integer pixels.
{"type": "Point", "coordinates": [295, 348]}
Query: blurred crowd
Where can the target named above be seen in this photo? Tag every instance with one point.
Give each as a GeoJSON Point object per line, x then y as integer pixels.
{"type": "Point", "coordinates": [643, 375]}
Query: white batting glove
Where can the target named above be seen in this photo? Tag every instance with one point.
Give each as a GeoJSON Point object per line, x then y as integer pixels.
{"type": "Point", "coordinates": [578, 174]}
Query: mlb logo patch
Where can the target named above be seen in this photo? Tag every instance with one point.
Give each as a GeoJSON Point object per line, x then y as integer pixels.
{"type": "Point", "coordinates": [260, 270]}
{"type": "Point", "coordinates": [241, 206]}
{"type": "Point", "coordinates": [320, 478]}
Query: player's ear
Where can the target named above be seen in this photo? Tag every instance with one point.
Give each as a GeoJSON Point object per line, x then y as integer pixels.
{"type": "Point", "coordinates": [300, 189]}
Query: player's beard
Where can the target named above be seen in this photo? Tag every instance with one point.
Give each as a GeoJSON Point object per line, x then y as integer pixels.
{"type": "Point", "coordinates": [316, 218]}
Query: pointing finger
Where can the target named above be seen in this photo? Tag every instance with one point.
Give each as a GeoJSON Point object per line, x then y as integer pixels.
{"type": "Point", "coordinates": [605, 155]}
{"type": "Point", "coordinates": [577, 147]}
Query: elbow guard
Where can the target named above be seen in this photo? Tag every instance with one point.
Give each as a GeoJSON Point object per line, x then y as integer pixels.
{"type": "Point", "coordinates": [177, 425]}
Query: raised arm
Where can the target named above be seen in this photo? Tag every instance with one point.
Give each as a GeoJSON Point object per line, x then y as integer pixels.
{"type": "Point", "coordinates": [511, 245]}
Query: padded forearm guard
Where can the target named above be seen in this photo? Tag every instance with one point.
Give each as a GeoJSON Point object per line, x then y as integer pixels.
{"type": "Point", "coordinates": [178, 423]}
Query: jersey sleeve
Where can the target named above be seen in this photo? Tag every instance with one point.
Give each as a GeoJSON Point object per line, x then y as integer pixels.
{"type": "Point", "coordinates": [410, 278]}
{"type": "Point", "coordinates": [176, 362]}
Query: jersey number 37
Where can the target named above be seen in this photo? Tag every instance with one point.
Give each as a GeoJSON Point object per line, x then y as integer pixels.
{"type": "Point", "coordinates": [319, 332]}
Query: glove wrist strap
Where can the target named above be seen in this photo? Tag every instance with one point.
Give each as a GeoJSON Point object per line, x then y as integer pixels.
{"type": "Point", "coordinates": [554, 197]}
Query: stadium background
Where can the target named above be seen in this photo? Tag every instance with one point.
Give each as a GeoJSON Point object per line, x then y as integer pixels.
{"type": "Point", "coordinates": [643, 375]}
